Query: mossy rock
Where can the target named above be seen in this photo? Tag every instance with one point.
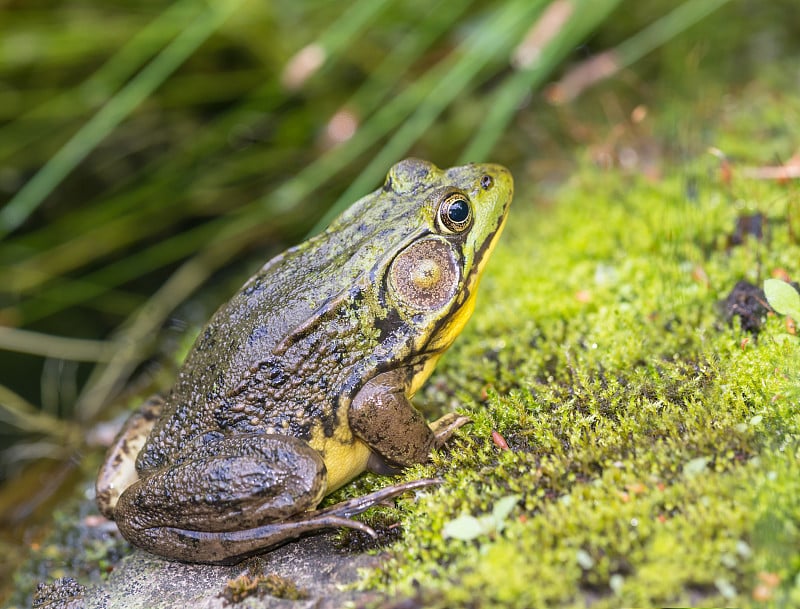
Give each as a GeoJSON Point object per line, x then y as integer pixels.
{"type": "Point", "coordinates": [649, 435]}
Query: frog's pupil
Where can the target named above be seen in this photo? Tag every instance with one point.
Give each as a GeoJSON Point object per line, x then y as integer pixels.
{"type": "Point", "coordinates": [458, 211]}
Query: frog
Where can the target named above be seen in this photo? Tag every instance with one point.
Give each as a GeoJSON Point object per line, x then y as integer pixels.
{"type": "Point", "coordinates": [304, 379]}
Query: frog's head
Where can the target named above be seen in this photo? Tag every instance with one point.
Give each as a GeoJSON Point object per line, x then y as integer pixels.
{"type": "Point", "coordinates": [403, 261]}
{"type": "Point", "coordinates": [453, 219]}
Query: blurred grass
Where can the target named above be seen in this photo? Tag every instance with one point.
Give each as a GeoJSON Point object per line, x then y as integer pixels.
{"type": "Point", "coordinates": [119, 166]}
{"type": "Point", "coordinates": [149, 149]}
{"type": "Point", "coordinates": [107, 118]}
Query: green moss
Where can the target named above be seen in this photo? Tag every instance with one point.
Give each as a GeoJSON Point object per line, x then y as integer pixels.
{"type": "Point", "coordinates": [653, 443]}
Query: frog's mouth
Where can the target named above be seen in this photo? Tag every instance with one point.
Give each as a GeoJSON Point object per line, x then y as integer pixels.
{"type": "Point", "coordinates": [483, 255]}
{"type": "Point", "coordinates": [451, 325]}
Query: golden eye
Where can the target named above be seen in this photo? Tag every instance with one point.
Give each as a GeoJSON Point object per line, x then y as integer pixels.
{"type": "Point", "coordinates": [455, 213]}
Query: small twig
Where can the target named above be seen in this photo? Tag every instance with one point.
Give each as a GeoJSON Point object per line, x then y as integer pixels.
{"type": "Point", "coordinates": [780, 172]}
{"type": "Point", "coordinates": [608, 63]}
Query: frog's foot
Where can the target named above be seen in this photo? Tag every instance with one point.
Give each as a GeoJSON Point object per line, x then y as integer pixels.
{"type": "Point", "coordinates": [445, 426]}
{"type": "Point", "coordinates": [234, 546]}
{"type": "Point", "coordinates": [356, 505]}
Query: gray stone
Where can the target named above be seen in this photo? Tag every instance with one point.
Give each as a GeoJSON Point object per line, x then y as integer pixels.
{"type": "Point", "coordinates": [313, 564]}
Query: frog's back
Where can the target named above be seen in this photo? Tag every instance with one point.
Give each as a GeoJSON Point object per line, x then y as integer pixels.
{"type": "Point", "coordinates": [277, 357]}
{"type": "Point", "coordinates": [288, 352]}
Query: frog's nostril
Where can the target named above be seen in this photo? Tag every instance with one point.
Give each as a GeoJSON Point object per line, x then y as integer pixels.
{"type": "Point", "coordinates": [487, 182]}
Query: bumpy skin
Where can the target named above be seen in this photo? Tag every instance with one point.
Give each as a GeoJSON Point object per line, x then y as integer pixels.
{"type": "Point", "coordinates": [303, 379]}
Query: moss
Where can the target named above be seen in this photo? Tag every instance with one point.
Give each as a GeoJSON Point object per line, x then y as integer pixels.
{"type": "Point", "coordinates": [246, 585]}
{"type": "Point", "coordinates": [653, 443]}
{"type": "Point", "coordinates": [78, 545]}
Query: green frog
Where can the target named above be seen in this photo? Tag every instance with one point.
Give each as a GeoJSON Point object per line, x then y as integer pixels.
{"type": "Point", "coordinates": [304, 379]}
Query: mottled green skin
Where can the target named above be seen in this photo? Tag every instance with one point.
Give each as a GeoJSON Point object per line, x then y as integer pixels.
{"type": "Point", "coordinates": [302, 380]}
{"type": "Point", "coordinates": [260, 365]}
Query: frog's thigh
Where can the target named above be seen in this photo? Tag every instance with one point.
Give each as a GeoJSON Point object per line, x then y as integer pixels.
{"type": "Point", "coordinates": [119, 468]}
{"type": "Point", "coordinates": [384, 418]}
{"type": "Point", "coordinates": [232, 484]}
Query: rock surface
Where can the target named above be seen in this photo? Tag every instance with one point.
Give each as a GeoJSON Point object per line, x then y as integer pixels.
{"type": "Point", "coordinates": [314, 567]}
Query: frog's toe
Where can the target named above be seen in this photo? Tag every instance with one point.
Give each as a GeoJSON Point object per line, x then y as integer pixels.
{"type": "Point", "coordinates": [349, 523]}
{"type": "Point", "coordinates": [356, 505]}
{"type": "Point", "coordinates": [444, 427]}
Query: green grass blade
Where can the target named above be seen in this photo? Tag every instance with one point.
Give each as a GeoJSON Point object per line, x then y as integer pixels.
{"type": "Point", "coordinates": [586, 15]}
{"type": "Point", "coordinates": [664, 29]}
{"type": "Point", "coordinates": [434, 93]}
{"type": "Point", "coordinates": [98, 87]}
{"type": "Point", "coordinates": [112, 114]}
{"type": "Point", "coordinates": [80, 230]}
{"type": "Point", "coordinates": [430, 27]}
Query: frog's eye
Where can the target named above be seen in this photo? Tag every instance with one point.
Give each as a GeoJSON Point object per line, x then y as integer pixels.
{"type": "Point", "coordinates": [455, 213]}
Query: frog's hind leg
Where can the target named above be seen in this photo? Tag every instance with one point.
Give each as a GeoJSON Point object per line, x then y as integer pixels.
{"type": "Point", "coordinates": [233, 546]}
{"type": "Point", "coordinates": [234, 497]}
{"type": "Point", "coordinates": [190, 509]}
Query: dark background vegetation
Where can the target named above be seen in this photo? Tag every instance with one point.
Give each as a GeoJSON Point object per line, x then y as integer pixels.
{"type": "Point", "coordinates": [153, 154]}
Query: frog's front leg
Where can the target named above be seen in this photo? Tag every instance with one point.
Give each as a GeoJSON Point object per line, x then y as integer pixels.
{"type": "Point", "coordinates": [387, 421]}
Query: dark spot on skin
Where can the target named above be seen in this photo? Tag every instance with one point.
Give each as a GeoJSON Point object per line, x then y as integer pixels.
{"type": "Point", "coordinates": [272, 370]}
{"type": "Point", "coordinates": [208, 341]}
{"type": "Point", "coordinates": [211, 436]}
{"type": "Point", "coordinates": [302, 429]}
{"type": "Point", "coordinates": [388, 324]}
{"type": "Point", "coordinates": [356, 295]}
{"type": "Point", "coordinates": [277, 377]}
{"type": "Point", "coordinates": [140, 501]}
{"type": "Point", "coordinates": [487, 182]}
{"type": "Point", "coordinates": [253, 287]}
{"type": "Point", "coordinates": [387, 185]}
{"type": "Point", "coordinates": [258, 335]}
{"type": "Point", "coordinates": [328, 426]}
{"type": "Point", "coordinates": [420, 171]}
